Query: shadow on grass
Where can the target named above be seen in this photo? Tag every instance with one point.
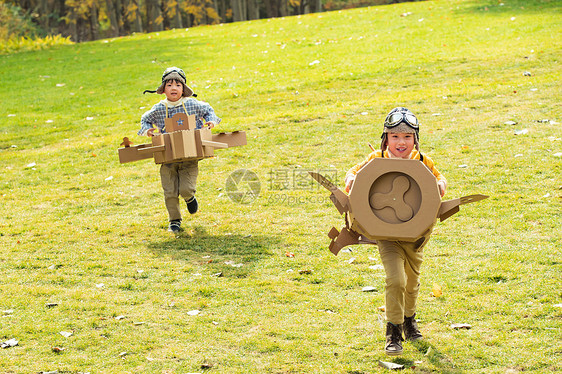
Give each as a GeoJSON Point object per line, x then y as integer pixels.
{"type": "Point", "coordinates": [441, 362]}
{"type": "Point", "coordinates": [438, 359]}
{"type": "Point", "coordinates": [231, 255]}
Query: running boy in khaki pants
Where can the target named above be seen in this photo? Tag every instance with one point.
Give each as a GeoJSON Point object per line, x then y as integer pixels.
{"type": "Point", "coordinates": [178, 178]}
{"type": "Point", "coordinates": [401, 260]}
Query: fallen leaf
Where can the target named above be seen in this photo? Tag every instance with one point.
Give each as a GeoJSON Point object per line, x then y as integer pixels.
{"type": "Point", "coordinates": [9, 343]}
{"type": "Point", "coordinates": [376, 267]}
{"type": "Point", "coordinates": [390, 365]}
{"type": "Point", "coordinates": [207, 365]}
{"type": "Point", "coordinates": [382, 308]}
{"type": "Point", "coordinates": [7, 312]}
{"type": "Point", "coordinates": [51, 305]}
{"type": "Point", "coordinates": [119, 318]}
{"type": "Point", "coordinates": [305, 271]}
{"type": "Point", "coordinates": [463, 166]}
{"type": "Point", "coordinates": [66, 334]}
{"type": "Point", "coordinates": [521, 132]}
{"type": "Point", "coordinates": [234, 265]}
{"type": "Point", "coordinates": [57, 349]}
{"type": "Point", "coordinates": [289, 254]}
{"type": "Point", "coordinates": [218, 275]}
{"type": "Point", "coordinates": [458, 326]}
{"type": "Point", "coordinates": [368, 289]}
{"type": "Point", "coordinates": [351, 260]}
{"type": "Point", "coordinates": [511, 123]}
{"type": "Point", "coordinates": [437, 291]}
{"type": "Point", "coordinates": [193, 312]}
{"type": "Point", "coordinates": [31, 165]}
{"type": "Point", "coordinates": [558, 154]}
{"type": "Point", "coordinates": [123, 354]}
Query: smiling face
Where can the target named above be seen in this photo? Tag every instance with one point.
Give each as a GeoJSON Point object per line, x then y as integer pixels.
{"type": "Point", "coordinates": [173, 90]}
{"type": "Point", "coordinates": [400, 144]}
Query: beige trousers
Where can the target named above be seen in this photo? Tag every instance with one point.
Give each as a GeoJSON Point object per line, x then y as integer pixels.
{"type": "Point", "coordinates": [402, 262]}
{"type": "Point", "coordinates": [178, 179]}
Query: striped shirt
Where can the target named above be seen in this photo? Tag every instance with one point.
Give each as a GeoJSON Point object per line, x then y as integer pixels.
{"type": "Point", "coordinates": [157, 115]}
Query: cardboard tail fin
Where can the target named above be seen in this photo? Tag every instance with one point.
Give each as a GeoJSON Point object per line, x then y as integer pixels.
{"type": "Point", "coordinates": [342, 239]}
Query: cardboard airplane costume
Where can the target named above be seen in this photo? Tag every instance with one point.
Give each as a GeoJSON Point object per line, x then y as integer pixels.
{"type": "Point", "coordinates": [181, 142]}
{"type": "Point", "coordinates": [391, 199]}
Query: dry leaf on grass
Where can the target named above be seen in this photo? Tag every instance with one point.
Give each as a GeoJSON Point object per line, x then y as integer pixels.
{"type": "Point", "coordinates": [390, 365]}
{"type": "Point", "coordinates": [368, 289]}
{"type": "Point", "coordinates": [436, 291]}
{"type": "Point", "coordinates": [458, 326]}
{"type": "Point", "coordinates": [9, 343]}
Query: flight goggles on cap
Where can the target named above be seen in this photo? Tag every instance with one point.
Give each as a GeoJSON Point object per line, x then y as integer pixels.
{"type": "Point", "coordinates": [395, 118]}
{"type": "Point", "coordinates": [173, 70]}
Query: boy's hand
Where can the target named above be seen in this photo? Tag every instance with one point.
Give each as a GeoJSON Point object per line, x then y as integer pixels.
{"type": "Point", "coordinates": [210, 124]}
{"type": "Point", "coordinates": [150, 132]}
{"type": "Point", "coordinates": [442, 187]}
{"type": "Point", "coordinates": [349, 182]}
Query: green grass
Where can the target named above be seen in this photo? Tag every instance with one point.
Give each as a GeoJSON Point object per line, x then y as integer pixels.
{"type": "Point", "coordinates": [67, 227]}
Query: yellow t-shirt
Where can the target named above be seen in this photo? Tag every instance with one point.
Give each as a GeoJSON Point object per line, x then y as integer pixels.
{"type": "Point", "coordinates": [415, 155]}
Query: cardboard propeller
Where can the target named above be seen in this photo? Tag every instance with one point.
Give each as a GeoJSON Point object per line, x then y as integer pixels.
{"type": "Point", "coordinates": [391, 199]}
{"type": "Point", "coordinates": [182, 141]}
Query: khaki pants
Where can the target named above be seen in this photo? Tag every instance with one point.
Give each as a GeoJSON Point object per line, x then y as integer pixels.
{"type": "Point", "coordinates": [178, 178]}
{"type": "Point", "coordinates": [402, 262]}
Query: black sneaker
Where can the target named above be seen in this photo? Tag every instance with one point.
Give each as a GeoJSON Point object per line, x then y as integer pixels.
{"type": "Point", "coordinates": [411, 331]}
{"type": "Point", "coordinates": [393, 345]}
{"type": "Point", "coordinates": [174, 226]}
{"type": "Point", "coordinates": [192, 205]}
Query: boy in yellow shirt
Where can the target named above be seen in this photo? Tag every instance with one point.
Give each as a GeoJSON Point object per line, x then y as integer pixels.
{"type": "Point", "coordinates": [401, 260]}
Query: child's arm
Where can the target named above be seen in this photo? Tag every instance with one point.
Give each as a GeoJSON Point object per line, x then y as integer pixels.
{"type": "Point", "coordinates": [151, 117]}
{"type": "Point", "coordinates": [203, 110]}
{"type": "Point", "coordinates": [442, 184]}
{"type": "Point", "coordinates": [441, 181]}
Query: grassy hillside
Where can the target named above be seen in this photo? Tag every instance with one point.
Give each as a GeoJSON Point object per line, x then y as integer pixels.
{"type": "Point", "coordinates": [84, 246]}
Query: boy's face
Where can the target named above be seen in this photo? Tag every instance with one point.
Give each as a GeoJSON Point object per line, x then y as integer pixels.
{"type": "Point", "coordinates": [400, 144]}
{"type": "Point", "coordinates": [173, 90]}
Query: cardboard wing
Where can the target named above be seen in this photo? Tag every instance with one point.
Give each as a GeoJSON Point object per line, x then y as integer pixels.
{"type": "Point", "coordinates": [450, 207]}
{"type": "Point", "coordinates": [181, 145]}
{"type": "Point", "coordinates": [338, 197]}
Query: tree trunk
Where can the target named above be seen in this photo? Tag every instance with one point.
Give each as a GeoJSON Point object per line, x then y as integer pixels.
{"type": "Point", "coordinates": [316, 6]}
{"type": "Point", "coordinates": [238, 10]}
{"type": "Point", "coordinates": [94, 23]}
{"type": "Point", "coordinates": [138, 21]}
{"type": "Point", "coordinates": [253, 9]}
{"type": "Point", "coordinates": [155, 19]}
{"type": "Point", "coordinates": [178, 24]}
{"type": "Point", "coordinates": [113, 23]}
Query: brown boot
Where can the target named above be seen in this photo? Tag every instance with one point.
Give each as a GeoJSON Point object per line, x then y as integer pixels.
{"type": "Point", "coordinates": [393, 346]}
{"type": "Point", "coordinates": [411, 331]}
